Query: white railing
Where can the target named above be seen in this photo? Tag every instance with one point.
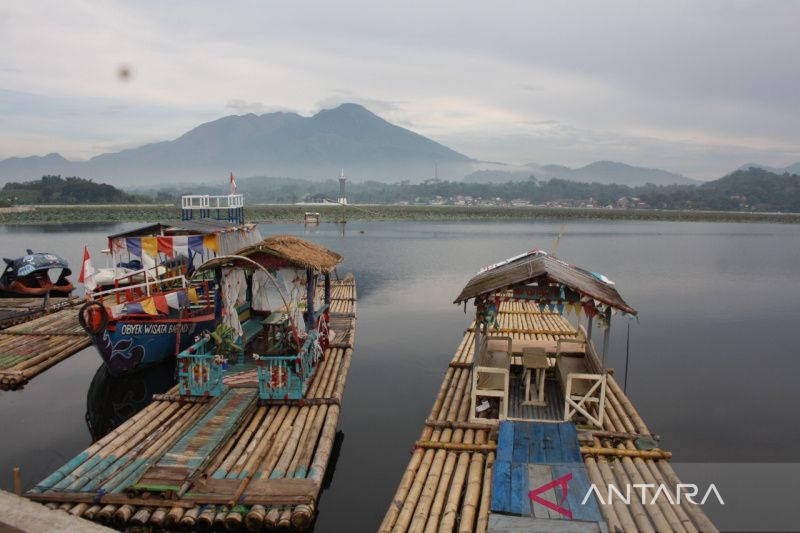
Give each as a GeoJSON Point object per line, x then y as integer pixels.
{"type": "Point", "coordinates": [146, 284]}
{"type": "Point", "coordinates": [205, 201]}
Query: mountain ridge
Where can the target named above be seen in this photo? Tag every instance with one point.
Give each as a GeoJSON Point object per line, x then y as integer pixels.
{"type": "Point", "coordinates": [605, 172]}
{"type": "Point", "coordinates": [279, 143]}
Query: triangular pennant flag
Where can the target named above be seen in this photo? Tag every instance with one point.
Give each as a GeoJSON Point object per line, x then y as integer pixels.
{"type": "Point", "coordinates": [560, 308]}
{"type": "Point", "coordinates": [193, 295]}
{"type": "Point", "coordinates": [135, 308]}
{"type": "Point", "coordinates": [149, 306]}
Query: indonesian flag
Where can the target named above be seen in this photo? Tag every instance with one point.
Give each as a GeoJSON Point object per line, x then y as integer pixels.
{"type": "Point", "coordinates": [87, 271]}
{"type": "Point", "coordinates": [234, 189]}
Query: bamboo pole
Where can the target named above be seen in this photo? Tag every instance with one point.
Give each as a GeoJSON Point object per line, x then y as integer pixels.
{"type": "Point", "coordinates": [469, 508]}
{"type": "Point", "coordinates": [402, 492]}
{"type": "Point", "coordinates": [622, 510]}
{"type": "Point", "coordinates": [189, 518]}
{"type": "Point", "coordinates": [606, 508]}
{"type": "Point", "coordinates": [254, 519]}
{"type": "Point", "coordinates": [623, 452]}
{"type": "Point", "coordinates": [697, 514]}
{"type": "Point", "coordinates": [451, 507]}
{"type": "Point", "coordinates": [482, 523]}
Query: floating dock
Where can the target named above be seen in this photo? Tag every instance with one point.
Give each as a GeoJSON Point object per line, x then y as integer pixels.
{"type": "Point", "coordinates": [233, 461]}
{"type": "Point", "coordinates": [476, 476]}
{"type": "Point", "coordinates": [30, 348]}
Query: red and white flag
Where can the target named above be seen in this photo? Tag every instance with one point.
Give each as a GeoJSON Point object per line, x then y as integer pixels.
{"type": "Point", "coordinates": [87, 271]}
{"type": "Point", "coordinates": [234, 189]}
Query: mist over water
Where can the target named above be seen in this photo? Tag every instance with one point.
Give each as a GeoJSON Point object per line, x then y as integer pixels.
{"type": "Point", "coordinates": [712, 355]}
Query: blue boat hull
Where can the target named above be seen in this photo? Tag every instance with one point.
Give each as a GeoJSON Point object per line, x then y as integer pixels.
{"type": "Point", "coordinates": [128, 346]}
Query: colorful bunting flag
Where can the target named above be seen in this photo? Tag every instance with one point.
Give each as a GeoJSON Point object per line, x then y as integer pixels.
{"type": "Point", "coordinates": [211, 242]}
{"type": "Point", "coordinates": [193, 295]}
{"type": "Point", "coordinates": [160, 302]}
{"type": "Point", "coordinates": [149, 306]}
{"type": "Point", "coordinates": [174, 299]}
{"type": "Point", "coordinates": [134, 246]}
{"type": "Point", "coordinates": [165, 245]}
{"type": "Point", "coordinates": [180, 245]}
{"type": "Point", "coordinates": [150, 246]}
{"type": "Point", "coordinates": [196, 243]}
{"type": "Point", "coordinates": [135, 308]}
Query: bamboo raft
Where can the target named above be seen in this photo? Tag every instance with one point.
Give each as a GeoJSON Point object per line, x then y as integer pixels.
{"type": "Point", "coordinates": [447, 485]}
{"type": "Point", "coordinates": [30, 348]}
{"type": "Point", "coordinates": [229, 462]}
{"type": "Point", "coordinates": [15, 311]}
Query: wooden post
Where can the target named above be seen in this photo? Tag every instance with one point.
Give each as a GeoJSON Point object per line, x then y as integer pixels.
{"type": "Point", "coordinates": [606, 335]}
{"type": "Point", "coordinates": [17, 481]}
{"type": "Point", "coordinates": [327, 288]}
{"type": "Point", "coordinates": [310, 287]}
{"type": "Point", "coordinates": [589, 327]}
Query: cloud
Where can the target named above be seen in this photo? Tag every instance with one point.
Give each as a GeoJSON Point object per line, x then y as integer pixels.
{"type": "Point", "coordinates": [684, 83]}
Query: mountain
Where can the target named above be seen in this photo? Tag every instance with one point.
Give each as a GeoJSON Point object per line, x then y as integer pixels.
{"type": "Point", "coordinates": [606, 172]}
{"type": "Point", "coordinates": [274, 144]}
{"type": "Point", "coordinates": [794, 168]}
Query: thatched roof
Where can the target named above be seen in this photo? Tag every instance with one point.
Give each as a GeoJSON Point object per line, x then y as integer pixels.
{"type": "Point", "coordinates": [296, 251]}
{"type": "Point", "coordinates": [539, 266]}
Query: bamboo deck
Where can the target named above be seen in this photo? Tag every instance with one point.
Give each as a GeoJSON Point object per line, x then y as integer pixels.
{"type": "Point", "coordinates": [227, 462]}
{"type": "Point", "coordinates": [15, 311]}
{"type": "Point", "coordinates": [448, 482]}
{"type": "Point", "coordinates": [30, 348]}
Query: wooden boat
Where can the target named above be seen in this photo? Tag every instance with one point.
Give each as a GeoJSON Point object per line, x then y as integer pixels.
{"type": "Point", "coordinates": [29, 276]}
{"type": "Point", "coordinates": [145, 309]}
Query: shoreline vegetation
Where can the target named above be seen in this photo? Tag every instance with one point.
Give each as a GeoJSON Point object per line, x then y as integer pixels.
{"type": "Point", "coordinates": [289, 213]}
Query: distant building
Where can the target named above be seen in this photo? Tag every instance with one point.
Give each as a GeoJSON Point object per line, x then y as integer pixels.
{"type": "Point", "coordinates": [318, 198]}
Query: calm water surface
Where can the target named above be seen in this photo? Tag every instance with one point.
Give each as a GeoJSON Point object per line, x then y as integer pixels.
{"type": "Point", "coordinates": [713, 355]}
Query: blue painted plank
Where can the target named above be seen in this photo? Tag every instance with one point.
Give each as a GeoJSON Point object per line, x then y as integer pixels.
{"type": "Point", "coordinates": [505, 441]}
{"type": "Point", "coordinates": [522, 439]}
{"type": "Point", "coordinates": [570, 447]}
{"type": "Point", "coordinates": [520, 503]}
{"type": "Point", "coordinates": [536, 453]}
{"type": "Point", "coordinates": [578, 487]}
{"type": "Point", "coordinates": [501, 487]}
{"type": "Point", "coordinates": [552, 444]}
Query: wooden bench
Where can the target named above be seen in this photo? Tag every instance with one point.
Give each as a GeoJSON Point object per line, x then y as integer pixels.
{"type": "Point", "coordinates": [251, 325]}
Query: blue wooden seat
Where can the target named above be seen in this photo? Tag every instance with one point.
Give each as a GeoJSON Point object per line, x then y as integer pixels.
{"type": "Point", "coordinates": [251, 325]}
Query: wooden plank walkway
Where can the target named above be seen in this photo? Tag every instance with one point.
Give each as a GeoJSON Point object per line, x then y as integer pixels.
{"type": "Point", "coordinates": [539, 475]}
{"type": "Point", "coordinates": [448, 482]}
{"type": "Point", "coordinates": [228, 462]}
{"type": "Point", "coordinates": [30, 348]}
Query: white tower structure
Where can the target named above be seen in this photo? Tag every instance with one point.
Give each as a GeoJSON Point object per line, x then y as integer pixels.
{"type": "Point", "coordinates": [342, 195]}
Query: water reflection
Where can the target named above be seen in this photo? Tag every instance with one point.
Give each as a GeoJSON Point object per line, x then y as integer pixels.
{"type": "Point", "coordinates": [111, 401]}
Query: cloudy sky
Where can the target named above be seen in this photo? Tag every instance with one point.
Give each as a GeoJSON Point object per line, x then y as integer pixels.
{"type": "Point", "coordinates": [693, 87]}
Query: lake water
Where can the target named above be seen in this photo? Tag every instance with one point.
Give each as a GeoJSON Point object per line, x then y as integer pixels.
{"type": "Point", "coordinates": [713, 358]}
